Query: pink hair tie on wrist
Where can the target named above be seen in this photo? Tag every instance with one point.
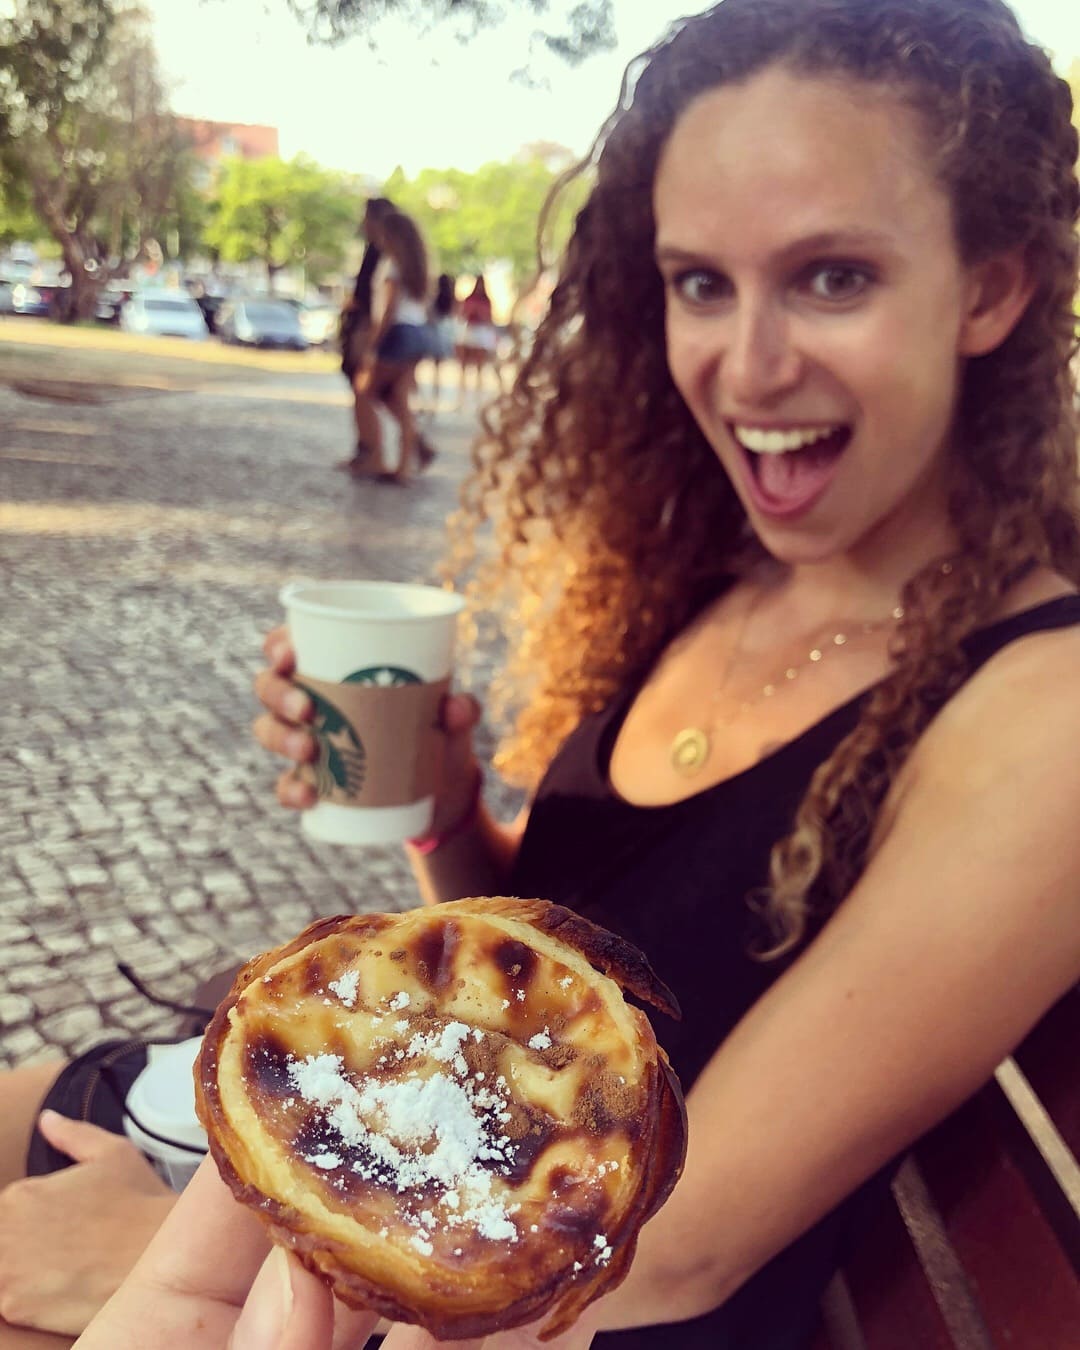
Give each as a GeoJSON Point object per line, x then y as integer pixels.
{"type": "Point", "coordinates": [427, 843]}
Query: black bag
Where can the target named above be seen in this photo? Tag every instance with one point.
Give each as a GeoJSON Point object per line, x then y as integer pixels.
{"type": "Point", "coordinates": [94, 1085]}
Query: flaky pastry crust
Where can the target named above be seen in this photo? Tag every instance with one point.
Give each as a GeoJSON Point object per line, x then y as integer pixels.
{"type": "Point", "coordinates": [451, 1114]}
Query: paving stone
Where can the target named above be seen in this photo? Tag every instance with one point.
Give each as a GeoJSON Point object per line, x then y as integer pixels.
{"type": "Point", "coordinates": [15, 1008]}
{"type": "Point", "coordinates": [67, 1027]}
{"type": "Point", "coordinates": [25, 1042]}
{"type": "Point", "coordinates": [141, 822]}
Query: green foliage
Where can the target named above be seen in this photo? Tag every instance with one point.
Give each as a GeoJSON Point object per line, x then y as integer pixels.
{"type": "Point", "coordinates": [86, 136]}
{"type": "Point", "coordinates": [472, 220]}
{"type": "Point", "coordinates": [17, 218]}
{"type": "Point", "coordinates": [283, 213]}
{"type": "Point", "coordinates": [588, 27]}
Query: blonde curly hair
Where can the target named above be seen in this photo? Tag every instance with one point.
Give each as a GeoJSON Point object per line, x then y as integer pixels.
{"type": "Point", "coordinates": [609, 521]}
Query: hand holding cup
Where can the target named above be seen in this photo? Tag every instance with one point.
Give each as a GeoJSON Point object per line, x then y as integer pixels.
{"type": "Point", "coordinates": [405, 741]}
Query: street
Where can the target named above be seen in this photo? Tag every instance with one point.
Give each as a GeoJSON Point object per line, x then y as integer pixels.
{"type": "Point", "coordinates": [143, 541]}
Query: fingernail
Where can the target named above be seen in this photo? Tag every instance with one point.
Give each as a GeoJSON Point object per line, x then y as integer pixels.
{"type": "Point", "coordinates": [265, 1313]}
{"type": "Point", "coordinates": [296, 704]}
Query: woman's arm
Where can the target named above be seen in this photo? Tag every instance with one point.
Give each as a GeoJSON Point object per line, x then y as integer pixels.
{"type": "Point", "coordinates": [474, 860]}
{"type": "Point", "coordinates": [963, 931]}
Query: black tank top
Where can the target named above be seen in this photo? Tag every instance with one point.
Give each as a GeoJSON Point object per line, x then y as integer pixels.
{"type": "Point", "coordinates": [674, 880]}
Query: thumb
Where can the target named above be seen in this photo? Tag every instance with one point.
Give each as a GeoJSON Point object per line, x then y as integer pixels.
{"type": "Point", "coordinates": [77, 1138]}
{"type": "Point", "coordinates": [287, 1309]}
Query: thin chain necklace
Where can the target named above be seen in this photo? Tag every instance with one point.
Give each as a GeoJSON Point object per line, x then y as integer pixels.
{"type": "Point", "coordinates": [691, 747]}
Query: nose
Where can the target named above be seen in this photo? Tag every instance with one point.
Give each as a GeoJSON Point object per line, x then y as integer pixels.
{"type": "Point", "coordinates": [762, 362]}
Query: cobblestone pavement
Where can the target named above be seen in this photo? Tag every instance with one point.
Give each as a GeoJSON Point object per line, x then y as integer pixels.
{"type": "Point", "coordinates": [142, 545]}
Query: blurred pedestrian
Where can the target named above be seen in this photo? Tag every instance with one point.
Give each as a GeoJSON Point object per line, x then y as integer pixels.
{"type": "Point", "coordinates": [398, 336]}
{"type": "Point", "coordinates": [355, 332]}
{"type": "Point", "coordinates": [443, 324]}
{"type": "Point", "coordinates": [476, 340]}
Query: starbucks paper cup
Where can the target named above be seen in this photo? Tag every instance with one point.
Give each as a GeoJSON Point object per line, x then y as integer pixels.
{"type": "Point", "coordinates": [376, 658]}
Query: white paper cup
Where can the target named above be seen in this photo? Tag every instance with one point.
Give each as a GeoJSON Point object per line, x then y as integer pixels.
{"type": "Point", "coordinates": [376, 656]}
{"type": "Point", "coordinates": [162, 1100]}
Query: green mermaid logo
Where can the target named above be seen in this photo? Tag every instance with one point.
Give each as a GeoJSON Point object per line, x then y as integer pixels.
{"type": "Point", "coordinates": [342, 760]}
{"type": "Point", "coordinates": [382, 677]}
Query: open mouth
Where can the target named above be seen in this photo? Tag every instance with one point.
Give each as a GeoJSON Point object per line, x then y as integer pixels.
{"type": "Point", "coordinates": [789, 469]}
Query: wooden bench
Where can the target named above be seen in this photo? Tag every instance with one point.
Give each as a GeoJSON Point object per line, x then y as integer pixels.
{"type": "Point", "coordinates": [978, 1247]}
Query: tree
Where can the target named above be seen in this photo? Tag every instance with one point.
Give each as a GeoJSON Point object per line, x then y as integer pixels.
{"type": "Point", "coordinates": [588, 27]}
{"type": "Point", "coordinates": [473, 220]}
{"type": "Point", "coordinates": [283, 214]}
{"type": "Point", "coordinates": [85, 133]}
{"type": "Point", "coordinates": [17, 218]}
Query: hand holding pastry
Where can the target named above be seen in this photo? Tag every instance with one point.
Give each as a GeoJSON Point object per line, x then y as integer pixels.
{"type": "Point", "coordinates": [451, 1115]}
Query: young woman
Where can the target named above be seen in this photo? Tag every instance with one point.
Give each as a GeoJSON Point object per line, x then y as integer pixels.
{"type": "Point", "coordinates": [786, 539]}
{"type": "Point", "coordinates": [398, 337]}
{"type": "Point", "coordinates": [354, 335]}
{"type": "Point", "coordinates": [476, 342]}
{"type": "Point", "coordinates": [442, 318]}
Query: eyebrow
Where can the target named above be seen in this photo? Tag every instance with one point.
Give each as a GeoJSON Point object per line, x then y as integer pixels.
{"type": "Point", "coordinates": [826, 241]}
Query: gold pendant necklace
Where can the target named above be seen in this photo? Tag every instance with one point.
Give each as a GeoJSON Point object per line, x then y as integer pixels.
{"type": "Point", "coordinates": [691, 747]}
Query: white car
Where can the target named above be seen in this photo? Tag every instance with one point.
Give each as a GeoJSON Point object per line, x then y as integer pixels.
{"type": "Point", "coordinates": [164, 314]}
{"type": "Point", "coordinates": [320, 323]}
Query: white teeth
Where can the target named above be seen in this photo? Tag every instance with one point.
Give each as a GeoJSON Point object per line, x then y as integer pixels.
{"type": "Point", "coordinates": [763, 442]}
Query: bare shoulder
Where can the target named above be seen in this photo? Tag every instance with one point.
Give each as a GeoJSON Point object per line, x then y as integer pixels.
{"type": "Point", "coordinates": [1024, 700]}
{"type": "Point", "coordinates": [995, 779]}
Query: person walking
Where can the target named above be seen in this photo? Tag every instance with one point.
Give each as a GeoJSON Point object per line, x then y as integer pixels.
{"type": "Point", "coordinates": [476, 340]}
{"type": "Point", "coordinates": [442, 317]}
{"type": "Point", "coordinates": [389, 336]}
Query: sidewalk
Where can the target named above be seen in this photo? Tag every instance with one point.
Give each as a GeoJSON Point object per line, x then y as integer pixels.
{"type": "Point", "coordinates": [143, 542]}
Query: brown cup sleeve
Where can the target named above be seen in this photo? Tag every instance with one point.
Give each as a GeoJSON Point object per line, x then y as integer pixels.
{"type": "Point", "coordinates": [377, 746]}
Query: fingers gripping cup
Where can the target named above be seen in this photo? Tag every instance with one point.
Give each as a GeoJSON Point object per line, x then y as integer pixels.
{"type": "Point", "coordinates": [375, 658]}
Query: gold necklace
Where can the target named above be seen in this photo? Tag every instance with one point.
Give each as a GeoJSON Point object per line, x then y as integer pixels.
{"type": "Point", "coordinates": [691, 747]}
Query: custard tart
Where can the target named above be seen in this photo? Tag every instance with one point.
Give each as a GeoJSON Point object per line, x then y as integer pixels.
{"type": "Point", "coordinates": [450, 1114]}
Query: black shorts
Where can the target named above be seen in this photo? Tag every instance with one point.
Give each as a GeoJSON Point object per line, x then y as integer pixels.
{"type": "Point", "coordinates": [92, 1087]}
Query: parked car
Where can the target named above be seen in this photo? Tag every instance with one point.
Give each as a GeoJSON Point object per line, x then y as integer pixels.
{"type": "Point", "coordinates": [261, 323]}
{"type": "Point", "coordinates": [319, 323]}
{"type": "Point", "coordinates": [163, 314]}
{"type": "Point", "coordinates": [111, 301]}
{"type": "Point", "coordinates": [33, 300]}
{"type": "Point", "coordinates": [7, 304]}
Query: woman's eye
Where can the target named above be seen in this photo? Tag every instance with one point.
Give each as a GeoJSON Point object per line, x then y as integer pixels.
{"type": "Point", "coordinates": [698, 287]}
{"type": "Point", "coordinates": [838, 281]}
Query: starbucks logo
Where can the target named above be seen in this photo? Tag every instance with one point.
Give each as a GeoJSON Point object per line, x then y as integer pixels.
{"type": "Point", "coordinates": [382, 677]}
{"type": "Point", "coordinates": [342, 759]}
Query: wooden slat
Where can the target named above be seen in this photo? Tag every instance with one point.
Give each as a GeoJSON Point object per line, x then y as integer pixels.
{"type": "Point", "coordinates": [891, 1295]}
{"type": "Point", "coordinates": [1043, 1156]}
{"type": "Point", "coordinates": [840, 1327]}
{"type": "Point", "coordinates": [1050, 1061]}
{"type": "Point", "coordinates": [982, 1249]}
{"type": "Point", "coordinates": [1025, 1284]}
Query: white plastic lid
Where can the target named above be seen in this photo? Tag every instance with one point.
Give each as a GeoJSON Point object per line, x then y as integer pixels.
{"type": "Point", "coordinates": [163, 1099]}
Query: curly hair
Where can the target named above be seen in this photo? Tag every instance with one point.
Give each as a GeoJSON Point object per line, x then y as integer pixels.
{"type": "Point", "coordinates": [401, 240]}
{"type": "Point", "coordinates": [609, 519]}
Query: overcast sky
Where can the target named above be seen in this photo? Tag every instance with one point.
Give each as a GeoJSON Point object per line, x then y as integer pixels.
{"type": "Point", "coordinates": [423, 102]}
